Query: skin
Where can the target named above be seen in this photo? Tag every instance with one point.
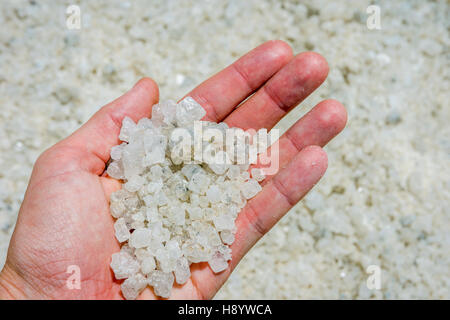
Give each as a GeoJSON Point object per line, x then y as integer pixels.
{"type": "Point", "coordinates": [65, 220]}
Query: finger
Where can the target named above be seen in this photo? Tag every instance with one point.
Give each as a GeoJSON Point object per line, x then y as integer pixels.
{"type": "Point", "coordinates": [221, 93]}
{"type": "Point", "coordinates": [291, 85]}
{"type": "Point", "coordinates": [317, 127]}
{"type": "Point", "coordinates": [262, 212]}
{"type": "Point", "coordinates": [96, 137]}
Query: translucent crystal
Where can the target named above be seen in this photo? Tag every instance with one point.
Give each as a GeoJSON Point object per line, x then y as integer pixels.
{"type": "Point", "coordinates": [227, 236]}
{"type": "Point", "coordinates": [214, 194]}
{"type": "Point", "coordinates": [161, 282]}
{"type": "Point", "coordinates": [164, 113]}
{"type": "Point", "coordinates": [117, 209]}
{"type": "Point", "coordinates": [132, 287]}
{"type": "Point", "coordinates": [140, 238]}
{"type": "Point", "coordinates": [257, 174]}
{"type": "Point", "coordinates": [218, 263]}
{"type": "Point", "coordinates": [250, 188]}
{"type": "Point", "coordinates": [116, 152]}
{"type": "Point", "coordinates": [233, 172]}
{"type": "Point", "coordinates": [115, 170]}
{"type": "Point", "coordinates": [199, 183]}
{"type": "Point", "coordinates": [134, 183]}
{"type": "Point", "coordinates": [123, 265]}
{"type": "Point", "coordinates": [122, 232]}
{"type": "Point", "coordinates": [182, 271]}
{"type": "Point", "coordinates": [127, 130]}
{"type": "Point", "coordinates": [224, 222]}
{"type": "Point", "coordinates": [187, 111]}
{"type": "Point", "coordinates": [148, 265]}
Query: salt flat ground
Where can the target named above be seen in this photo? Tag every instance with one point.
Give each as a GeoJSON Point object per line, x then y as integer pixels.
{"type": "Point", "coordinates": [386, 196]}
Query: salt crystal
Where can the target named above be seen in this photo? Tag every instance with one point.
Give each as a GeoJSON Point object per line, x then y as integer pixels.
{"type": "Point", "coordinates": [132, 287]}
{"type": "Point", "coordinates": [233, 172]}
{"type": "Point", "coordinates": [250, 188]}
{"type": "Point", "coordinates": [122, 232]}
{"type": "Point", "coordinates": [224, 222]}
{"type": "Point", "coordinates": [213, 194]}
{"type": "Point", "coordinates": [257, 174]}
{"type": "Point", "coordinates": [218, 263]}
{"type": "Point", "coordinates": [116, 152]}
{"type": "Point", "coordinates": [117, 209]}
{"type": "Point", "coordinates": [140, 238]}
{"type": "Point", "coordinates": [127, 130]}
{"type": "Point", "coordinates": [227, 236]}
{"type": "Point", "coordinates": [188, 110]}
{"type": "Point", "coordinates": [199, 183]}
{"type": "Point", "coordinates": [148, 265]}
{"type": "Point", "coordinates": [134, 183]}
{"type": "Point", "coordinates": [182, 271]}
{"type": "Point", "coordinates": [123, 265]}
{"type": "Point", "coordinates": [115, 170]}
{"type": "Point", "coordinates": [161, 282]}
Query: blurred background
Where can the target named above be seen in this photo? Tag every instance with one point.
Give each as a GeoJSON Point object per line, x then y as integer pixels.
{"type": "Point", "coordinates": [384, 202]}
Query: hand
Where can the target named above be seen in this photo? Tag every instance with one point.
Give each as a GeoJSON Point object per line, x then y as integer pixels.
{"type": "Point", "coordinates": [65, 220]}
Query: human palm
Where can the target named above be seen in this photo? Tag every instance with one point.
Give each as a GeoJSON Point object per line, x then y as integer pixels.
{"type": "Point", "coordinates": [65, 220]}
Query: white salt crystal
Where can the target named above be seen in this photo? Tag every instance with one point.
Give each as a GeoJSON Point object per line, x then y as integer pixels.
{"type": "Point", "coordinates": [224, 222]}
{"type": "Point", "coordinates": [153, 157]}
{"type": "Point", "coordinates": [161, 282]}
{"type": "Point", "coordinates": [117, 209]}
{"type": "Point", "coordinates": [178, 215]}
{"type": "Point", "coordinates": [122, 232]}
{"type": "Point", "coordinates": [132, 155]}
{"type": "Point", "coordinates": [148, 265]}
{"type": "Point", "coordinates": [213, 194]}
{"type": "Point", "coordinates": [221, 163]}
{"type": "Point", "coordinates": [152, 214]}
{"type": "Point", "coordinates": [258, 174]}
{"type": "Point", "coordinates": [123, 265]}
{"type": "Point", "coordinates": [227, 236]}
{"type": "Point", "coordinates": [250, 188]}
{"type": "Point", "coordinates": [195, 213]}
{"type": "Point", "coordinates": [146, 123]}
{"type": "Point", "coordinates": [132, 287]}
{"type": "Point", "coordinates": [218, 263]}
{"type": "Point", "coordinates": [182, 271]}
{"type": "Point", "coordinates": [140, 238]}
{"type": "Point", "coordinates": [199, 183]}
{"type": "Point", "coordinates": [156, 172]}
{"type": "Point", "coordinates": [116, 152]}
{"type": "Point", "coordinates": [134, 183]}
{"type": "Point", "coordinates": [164, 113]}
{"type": "Point", "coordinates": [233, 172]}
{"type": "Point", "coordinates": [127, 130]}
{"type": "Point", "coordinates": [187, 111]}
{"type": "Point", "coordinates": [154, 187]}
{"type": "Point", "coordinates": [190, 169]}
{"type": "Point", "coordinates": [115, 170]}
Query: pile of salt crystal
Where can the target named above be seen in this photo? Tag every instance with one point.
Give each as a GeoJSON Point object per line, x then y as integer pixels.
{"type": "Point", "coordinates": [175, 209]}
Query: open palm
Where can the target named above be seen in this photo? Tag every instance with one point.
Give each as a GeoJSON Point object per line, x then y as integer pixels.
{"type": "Point", "coordinates": [65, 220]}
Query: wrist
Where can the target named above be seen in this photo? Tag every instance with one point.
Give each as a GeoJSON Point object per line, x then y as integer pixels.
{"type": "Point", "coordinates": [11, 285]}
